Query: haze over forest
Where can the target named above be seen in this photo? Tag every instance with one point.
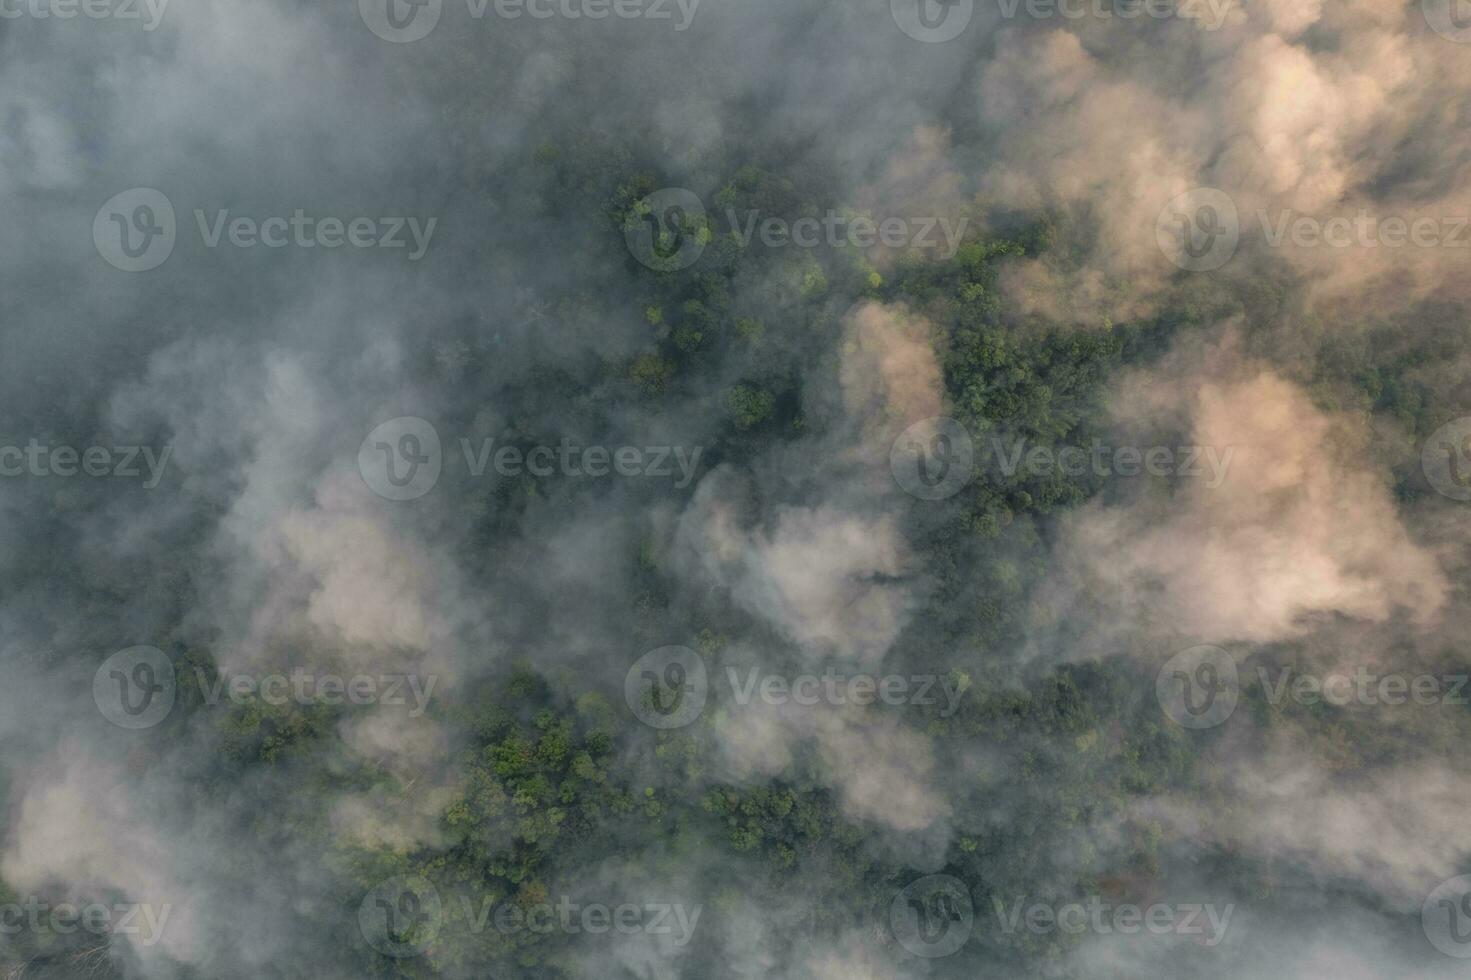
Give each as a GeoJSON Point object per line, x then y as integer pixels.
{"type": "Point", "coordinates": [715, 489]}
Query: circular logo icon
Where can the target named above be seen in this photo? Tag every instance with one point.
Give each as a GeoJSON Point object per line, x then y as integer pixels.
{"type": "Point", "coordinates": [134, 688]}
{"type": "Point", "coordinates": [932, 21]}
{"type": "Point", "coordinates": [933, 459]}
{"type": "Point", "coordinates": [1199, 230]}
{"type": "Point", "coordinates": [666, 688]}
{"type": "Point", "coordinates": [1198, 688]}
{"type": "Point", "coordinates": [401, 916]}
{"type": "Point", "coordinates": [1446, 459]}
{"type": "Point", "coordinates": [401, 459]}
{"type": "Point", "coordinates": [933, 916]}
{"type": "Point", "coordinates": [666, 230]}
{"type": "Point", "coordinates": [135, 230]}
{"type": "Point", "coordinates": [1451, 19]}
{"type": "Point", "coordinates": [400, 21]}
{"type": "Point", "coordinates": [1446, 917]}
